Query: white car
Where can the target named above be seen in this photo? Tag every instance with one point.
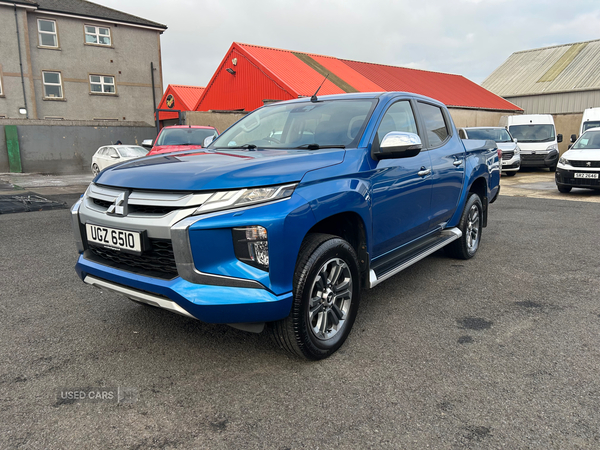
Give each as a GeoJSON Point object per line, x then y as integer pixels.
{"type": "Point", "coordinates": [110, 155]}
{"type": "Point", "coordinates": [580, 165]}
{"type": "Point", "coordinates": [511, 153]}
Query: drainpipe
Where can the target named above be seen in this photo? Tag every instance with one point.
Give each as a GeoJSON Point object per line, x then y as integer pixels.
{"type": "Point", "coordinates": [21, 63]}
{"type": "Point", "coordinates": [154, 95]}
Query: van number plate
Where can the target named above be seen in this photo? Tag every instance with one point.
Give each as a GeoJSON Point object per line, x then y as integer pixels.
{"type": "Point", "coordinates": [127, 241]}
{"type": "Point", "coordinates": [586, 175]}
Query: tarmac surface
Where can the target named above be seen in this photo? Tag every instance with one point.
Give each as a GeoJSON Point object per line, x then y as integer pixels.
{"type": "Point", "coordinates": [500, 351]}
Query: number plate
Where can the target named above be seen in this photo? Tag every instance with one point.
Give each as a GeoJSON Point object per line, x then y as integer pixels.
{"type": "Point", "coordinates": [586, 175]}
{"type": "Point", "coordinates": [127, 241]}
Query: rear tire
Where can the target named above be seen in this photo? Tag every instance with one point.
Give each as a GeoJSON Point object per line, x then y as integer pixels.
{"type": "Point", "coordinates": [564, 189]}
{"type": "Point", "coordinates": [471, 225]}
{"type": "Point", "coordinates": [326, 298]}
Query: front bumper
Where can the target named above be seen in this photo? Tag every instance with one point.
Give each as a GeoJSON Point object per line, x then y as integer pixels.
{"type": "Point", "coordinates": [511, 165]}
{"type": "Point", "coordinates": [566, 177]}
{"type": "Point", "coordinates": [539, 159]}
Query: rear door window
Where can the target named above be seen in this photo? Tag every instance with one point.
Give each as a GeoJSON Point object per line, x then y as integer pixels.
{"type": "Point", "coordinates": [435, 124]}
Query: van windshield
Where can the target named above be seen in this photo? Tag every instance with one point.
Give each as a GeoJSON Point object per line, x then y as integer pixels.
{"type": "Point", "coordinates": [588, 140]}
{"type": "Point", "coordinates": [590, 124]}
{"type": "Point", "coordinates": [493, 134]}
{"type": "Point", "coordinates": [306, 125]}
{"type": "Point", "coordinates": [533, 132]}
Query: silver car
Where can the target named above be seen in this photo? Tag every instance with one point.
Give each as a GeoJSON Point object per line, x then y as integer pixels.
{"type": "Point", "coordinates": [109, 155]}
{"type": "Point", "coordinates": [511, 153]}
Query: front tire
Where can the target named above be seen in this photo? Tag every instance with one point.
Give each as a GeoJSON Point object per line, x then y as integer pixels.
{"type": "Point", "coordinates": [564, 189]}
{"type": "Point", "coordinates": [326, 298]}
{"type": "Point", "coordinates": [471, 225]}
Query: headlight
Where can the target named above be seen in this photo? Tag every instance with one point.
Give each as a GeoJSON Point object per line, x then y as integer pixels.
{"type": "Point", "coordinates": [552, 147]}
{"type": "Point", "coordinates": [564, 161]}
{"type": "Point", "coordinates": [517, 150]}
{"type": "Point", "coordinates": [243, 197]}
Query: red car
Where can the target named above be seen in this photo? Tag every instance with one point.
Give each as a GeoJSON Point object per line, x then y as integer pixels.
{"type": "Point", "coordinates": [182, 137]}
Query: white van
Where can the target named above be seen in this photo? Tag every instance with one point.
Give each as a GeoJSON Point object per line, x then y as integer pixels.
{"type": "Point", "coordinates": [591, 119]}
{"type": "Point", "coordinates": [537, 139]}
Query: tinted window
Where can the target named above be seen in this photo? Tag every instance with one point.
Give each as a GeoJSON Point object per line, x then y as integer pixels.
{"type": "Point", "coordinates": [591, 124]}
{"type": "Point", "coordinates": [399, 117]}
{"type": "Point", "coordinates": [435, 125]}
{"type": "Point", "coordinates": [184, 136]}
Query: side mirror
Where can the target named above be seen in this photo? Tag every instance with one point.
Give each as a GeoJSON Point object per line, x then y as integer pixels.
{"type": "Point", "coordinates": [570, 145]}
{"type": "Point", "coordinates": [147, 143]}
{"type": "Point", "coordinates": [115, 156]}
{"type": "Point", "coordinates": [559, 138]}
{"type": "Point", "coordinates": [207, 141]}
{"type": "Point", "coordinates": [573, 138]}
{"type": "Point", "coordinates": [398, 144]}
{"type": "Point", "coordinates": [515, 140]}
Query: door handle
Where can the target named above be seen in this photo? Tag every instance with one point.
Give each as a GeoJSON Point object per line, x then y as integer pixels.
{"type": "Point", "coordinates": [423, 172]}
{"type": "Point", "coordinates": [458, 162]}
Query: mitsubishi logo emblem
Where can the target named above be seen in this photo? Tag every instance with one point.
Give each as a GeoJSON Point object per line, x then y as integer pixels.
{"type": "Point", "coordinates": [589, 164]}
{"type": "Point", "coordinates": [119, 206]}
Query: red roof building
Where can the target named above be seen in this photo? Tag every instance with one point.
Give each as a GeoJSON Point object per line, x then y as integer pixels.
{"type": "Point", "coordinates": [178, 97]}
{"type": "Point", "coordinates": [250, 76]}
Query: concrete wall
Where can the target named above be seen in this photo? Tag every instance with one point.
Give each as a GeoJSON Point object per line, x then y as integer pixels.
{"type": "Point", "coordinates": [127, 60]}
{"type": "Point", "coordinates": [220, 120]}
{"type": "Point", "coordinates": [67, 147]}
{"type": "Point", "coordinates": [475, 117]}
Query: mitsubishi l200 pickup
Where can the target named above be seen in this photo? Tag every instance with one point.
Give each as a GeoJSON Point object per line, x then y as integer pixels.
{"type": "Point", "coordinates": [283, 219]}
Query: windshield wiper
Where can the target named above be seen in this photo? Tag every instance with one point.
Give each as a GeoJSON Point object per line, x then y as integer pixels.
{"type": "Point", "coordinates": [245, 146]}
{"type": "Point", "coordinates": [317, 146]}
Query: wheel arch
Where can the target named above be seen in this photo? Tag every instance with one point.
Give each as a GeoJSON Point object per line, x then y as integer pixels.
{"type": "Point", "coordinates": [480, 187]}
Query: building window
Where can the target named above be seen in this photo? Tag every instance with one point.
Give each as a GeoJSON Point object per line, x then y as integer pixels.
{"type": "Point", "coordinates": [102, 84]}
{"type": "Point", "coordinates": [47, 33]}
{"type": "Point", "coordinates": [97, 35]}
{"type": "Point", "coordinates": [52, 85]}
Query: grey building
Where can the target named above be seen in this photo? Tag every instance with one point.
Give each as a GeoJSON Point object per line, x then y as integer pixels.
{"type": "Point", "coordinates": [562, 79]}
{"type": "Point", "coordinates": [76, 60]}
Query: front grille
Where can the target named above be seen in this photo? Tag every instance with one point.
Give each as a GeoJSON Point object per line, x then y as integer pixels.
{"type": "Point", "coordinates": [102, 203]}
{"type": "Point", "coordinates": [584, 163]}
{"type": "Point", "coordinates": [537, 157]}
{"type": "Point", "coordinates": [159, 258]}
{"type": "Point", "coordinates": [151, 209]}
{"type": "Point", "coordinates": [508, 155]}
{"type": "Point", "coordinates": [578, 181]}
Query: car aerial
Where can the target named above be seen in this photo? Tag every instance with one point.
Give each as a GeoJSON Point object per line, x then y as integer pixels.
{"type": "Point", "coordinates": [182, 138]}
{"type": "Point", "coordinates": [579, 166]}
{"type": "Point", "coordinates": [511, 153]}
{"type": "Point", "coordinates": [109, 155]}
{"type": "Point", "coordinates": [281, 220]}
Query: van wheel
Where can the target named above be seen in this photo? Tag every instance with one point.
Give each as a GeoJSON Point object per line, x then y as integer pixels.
{"type": "Point", "coordinates": [326, 298]}
{"type": "Point", "coordinates": [471, 225]}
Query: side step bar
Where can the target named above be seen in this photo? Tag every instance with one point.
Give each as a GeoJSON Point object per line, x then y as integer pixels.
{"type": "Point", "coordinates": [446, 237]}
{"type": "Point", "coordinates": [138, 296]}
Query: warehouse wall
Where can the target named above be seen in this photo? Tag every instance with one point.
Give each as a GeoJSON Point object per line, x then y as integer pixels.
{"type": "Point", "coordinates": [557, 103]}
{"type": "Point", "coordinates": [67, 147]}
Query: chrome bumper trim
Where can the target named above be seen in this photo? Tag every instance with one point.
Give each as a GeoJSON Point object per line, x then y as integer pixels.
{"type": "Point", "coordinates": [75, 224]}
{"type": "Point", "coordinates": [138, 296]}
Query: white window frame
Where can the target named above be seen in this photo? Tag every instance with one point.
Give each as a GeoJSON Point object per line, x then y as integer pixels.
{"type": "Point", "coordinates": [44, 84]}
{"type": "Point", "coordinates": [97, 35]}
{"type": "Point", "coordinates": [102, 84]}
{"type": "Point", "coordinates": [40, 32]}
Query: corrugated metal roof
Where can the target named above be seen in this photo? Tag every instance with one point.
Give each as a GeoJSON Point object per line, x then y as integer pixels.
{"type": "Point", "coordinates": [185, 97]}
{"type": "Point", "coordinates": [562, 68]}
{"type": "Point", "coordinates": [303, 77]}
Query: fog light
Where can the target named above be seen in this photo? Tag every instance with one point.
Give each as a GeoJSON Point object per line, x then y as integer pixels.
{"type": "Point", "coordinates": [251, 246]}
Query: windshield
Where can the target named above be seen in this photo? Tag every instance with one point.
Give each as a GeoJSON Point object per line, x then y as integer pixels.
{"type": "Point", "coordinates": [132, 152]}
{"type": "Point", "coordinates": [328, 123]}
{"type": "Point", "coordinates": [493, 134]}
{"type": "Point", "coordinates": [533, 132]}
{"type": "Point", "coordinates": [588, 140]}
{"type": "Point", "coordinates": [591, 124]}
{"type": "Point", "coordinates": [184, 136]}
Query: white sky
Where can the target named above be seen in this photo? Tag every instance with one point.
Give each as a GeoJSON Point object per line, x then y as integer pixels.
{"type": "Point", "coordinates": [467, 37]}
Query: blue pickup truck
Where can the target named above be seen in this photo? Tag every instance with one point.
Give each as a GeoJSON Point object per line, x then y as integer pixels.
{"type": "Point", "coordinates": [283, 219]}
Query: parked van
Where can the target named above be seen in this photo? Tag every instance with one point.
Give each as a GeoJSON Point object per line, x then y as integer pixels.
{"type": "Point", "coordinates": [591, 119]}
{"type": "Point", "coordinates": [537, 139]}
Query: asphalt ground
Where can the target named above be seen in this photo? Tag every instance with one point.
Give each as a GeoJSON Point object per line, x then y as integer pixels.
{"type": "Point", "coordinates": [501, 351]}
